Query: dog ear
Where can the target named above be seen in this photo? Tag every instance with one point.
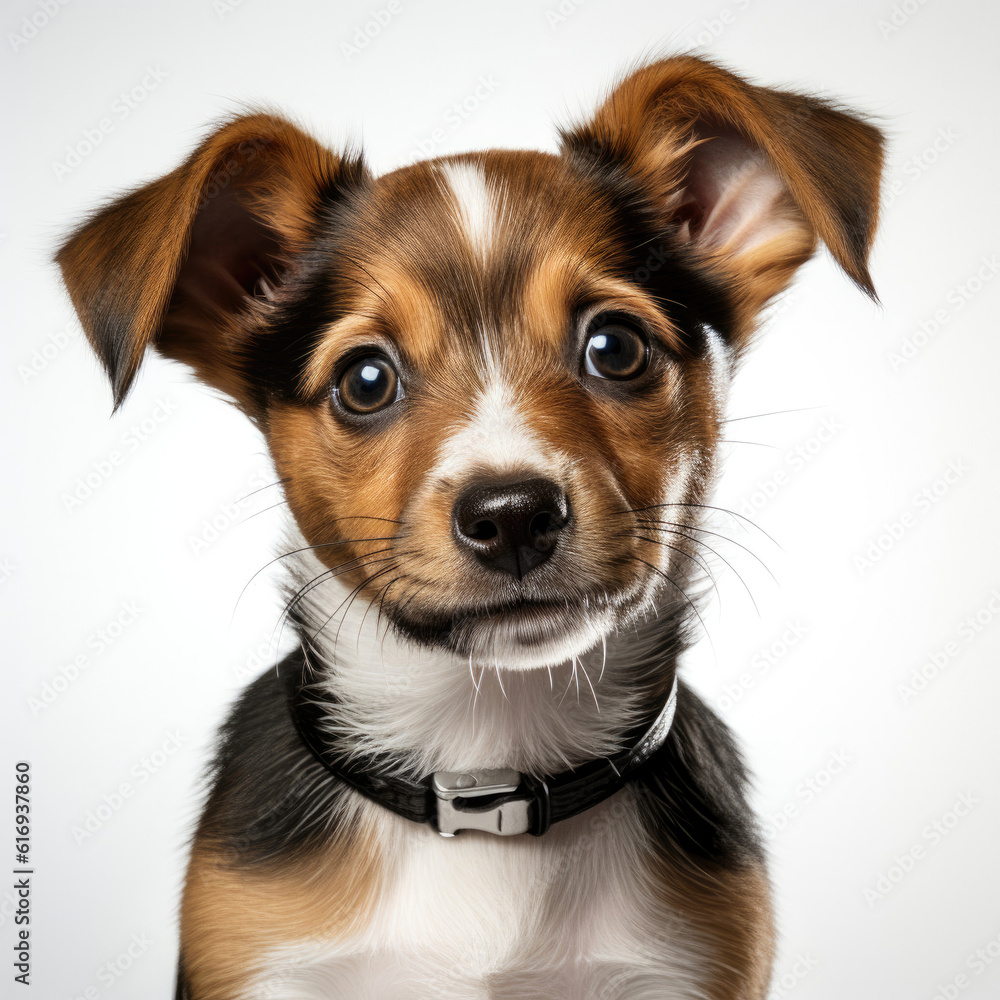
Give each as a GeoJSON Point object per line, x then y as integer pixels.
{"type": "Point", "coordinates": [186, 262]}
{"type": "Point", "coordinates": [746, 177]}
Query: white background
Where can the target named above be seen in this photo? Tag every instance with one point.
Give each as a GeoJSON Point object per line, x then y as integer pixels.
{"type": "Point", "coordinates": [859, 770]}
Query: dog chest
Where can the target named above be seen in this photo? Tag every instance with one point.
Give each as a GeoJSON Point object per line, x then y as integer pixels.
{"type": "Point", "coordinates": [572, 914]}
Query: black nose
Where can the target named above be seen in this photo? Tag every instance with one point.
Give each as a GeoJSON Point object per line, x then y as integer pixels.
{"type": "Point", "coordinates": [511, 527]}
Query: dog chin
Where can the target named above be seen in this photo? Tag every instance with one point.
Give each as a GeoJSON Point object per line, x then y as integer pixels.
{"type": "Point", "coordinates": [511, 648]}
{"type": "Point", "coordinates": [520, 642]}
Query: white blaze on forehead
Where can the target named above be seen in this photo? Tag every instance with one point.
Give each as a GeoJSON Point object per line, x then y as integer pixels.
{"type": "Point", "coordinates": [497, 437]}
{"type": "Point", "coordinates": [475, 203]}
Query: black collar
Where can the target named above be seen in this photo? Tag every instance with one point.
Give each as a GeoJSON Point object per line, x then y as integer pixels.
{"type": "Point", "coordinates": [502, 801]}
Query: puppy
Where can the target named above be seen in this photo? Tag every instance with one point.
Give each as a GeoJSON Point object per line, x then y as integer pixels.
{"type": "Point", "coordinates": [492, 387]}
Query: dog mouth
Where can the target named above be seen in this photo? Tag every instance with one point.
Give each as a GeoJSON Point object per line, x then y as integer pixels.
{"type": "Point", "coordinates": [521, 631]}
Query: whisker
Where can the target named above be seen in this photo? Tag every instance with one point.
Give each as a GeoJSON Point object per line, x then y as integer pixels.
{"type": "Point", "coordinates": [701, 506]}
{"type": "Point", "coordinates": [361, 562]}
{"type": "Point", "coordinates": [715, 552]}
{"type": "Point", "coordinates": [569, 684]}
{"type": "Point", "coordinates": [772, 413]}
{"type": "Point", "coordinates": [361, 284]}
{"type": "Point", "coordinates": [673, 525]}
{"type": "Point", "coordinates": [356, 592]}
{"type": "Point", "coordinates": [317, 581]}
{"type": "Point", "coordinates": [475, 698]}
{"type": "Point", "coordinates": [381, 601]}
{"type": "Point", "coordinates": [759, 444]}
{"type": "Point", "coordinates": [500, 681]}
{"type": "Point", "coordinates": [702, 565]}
{"type": "Point", "coordinates": [349, 600]}
{"type": "Point", "coordinates": [277, 482]}
{"type": "Point", "coordinates": [591, 686]}
{"type": "Point", "coordinates": [365, 615]}
{"type": "Point", "coordinates": [353, 260]}
{"type": "Point", "coordinates": [365, 517]}
{"type": "Point", "coordinates": [329, 573]}
{"type": "Point", "coordinates": [263, 510]}
{"type": "Point", "coordinates": [410, 599]}
{"type": "Point", "coordinates": [660, 572]}
{"type": "Point", "coordinates": [305, 548]}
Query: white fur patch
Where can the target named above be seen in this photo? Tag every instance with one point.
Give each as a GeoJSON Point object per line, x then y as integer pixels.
{"type": "Point", "coordinates": [436, 710]}
{"type": "Point", "coordinates": [722, 368]}
{"type": "Point", "coordinates": [498, 440]}
{"type": "Point", "coordinates": [567, 916]}
{"type": "Point", "coordinates": [476, 205]}
{"type": "Point", "coordinates": [497, 437]}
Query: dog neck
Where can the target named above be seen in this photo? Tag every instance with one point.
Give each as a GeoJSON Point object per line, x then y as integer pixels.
{"type": "Point", "coordinates": [423, 709]}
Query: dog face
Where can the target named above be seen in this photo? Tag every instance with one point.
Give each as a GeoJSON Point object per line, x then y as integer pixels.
{"type": "Point", "coordinates": [492, 383]}
{"type": "Point", "coordinates": [500, 389]}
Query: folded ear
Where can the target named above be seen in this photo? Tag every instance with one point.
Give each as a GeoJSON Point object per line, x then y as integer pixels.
{"type": "Point", "coordinates": [187, 262]}
{"type": "Point", "coordinates": [747, 178]}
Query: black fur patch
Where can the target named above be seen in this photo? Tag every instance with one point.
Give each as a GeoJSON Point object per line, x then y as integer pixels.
{"type": "Point", "coordinates": [692, 794]}
{"type": "Point", "coordinates": [275, 360]}
{"type": "Point", "coordinates": [271, 800]}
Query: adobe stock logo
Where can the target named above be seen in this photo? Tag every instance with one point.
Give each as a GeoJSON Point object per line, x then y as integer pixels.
{"type": "Point", "coordinates": [977, 962]}
{"type": "Point", "coordinates": [932, 835]}
{"type": "Point", "coordinates": [32, 24]}
{"type": "Point", "coordinates": [102, 469]}
{"type": "Point", "coordinates": [53, 346]}
{"type": "Point", "coordinates": [366, 33]}
{"type": "Point", "coordinates": [795, 460]}
{"type": "Point", "coordinates": [918, 164]}
{"type": "Point", "coordinates": [895, 529]}
{"type": "Point", "coordinates": [956, 300]}
{"type": "Point", "coordinates": [898, 16]}
{"type": "Point", "coordinates": [96, 643]}
{"type": "Point", "coordinates": [761, 664]}
{"type": "Point", "coordinates": [140, 773]}
{"type": "Point", "coordinates": [940, 659]}
{"type": "Point", "coordinates": [121, 108]}
{"type": "Point", "coordinates": [806, 792]}
{"type": "Point", "coordinates": [455, 117]}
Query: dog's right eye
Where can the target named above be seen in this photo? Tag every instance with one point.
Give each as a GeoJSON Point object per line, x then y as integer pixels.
{"type": "Point", "coordinates": [615, 349]}
{"type": "Point", "coordinates": [368, 384]}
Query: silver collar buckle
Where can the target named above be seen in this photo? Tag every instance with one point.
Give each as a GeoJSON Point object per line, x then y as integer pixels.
{"type": "Point", "coordinates": [505, 819]}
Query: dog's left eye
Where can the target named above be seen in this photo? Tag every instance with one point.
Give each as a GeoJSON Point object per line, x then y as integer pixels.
{"type": "Point", "coordinates": [368, 384]}
{"type": "Point", "coordinates": [615, 350]}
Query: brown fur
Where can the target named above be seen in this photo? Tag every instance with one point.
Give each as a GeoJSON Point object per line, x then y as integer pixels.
{"type": "Point", "coordinates": [731, 911]}
{"type": "Point", "coordinates": [129, 268]}
{"type": "Point", "coordinates": [232, 916]}
{"type": "Point", "coordinates": [830, 160]}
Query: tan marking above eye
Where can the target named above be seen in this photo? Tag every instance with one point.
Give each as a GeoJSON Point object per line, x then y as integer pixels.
{"type": "Point", "coordinates": [402, 315]}
{"type": "Point", "coordinates": [560, 282]}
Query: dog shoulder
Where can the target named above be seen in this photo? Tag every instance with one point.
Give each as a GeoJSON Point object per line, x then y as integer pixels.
{"type": "Point", "coordinates": [277, 859]}
{"type": "Point", "coordinates": [708, 860]}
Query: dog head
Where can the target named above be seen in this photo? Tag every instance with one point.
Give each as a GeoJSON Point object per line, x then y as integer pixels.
{"type": "Point", "coordinates": [493, 382]}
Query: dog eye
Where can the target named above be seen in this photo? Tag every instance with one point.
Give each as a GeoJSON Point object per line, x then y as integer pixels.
{"type": "Point", "coordinates": [615, 350]}
{"type": "Point", "coordinates": [368, 384]}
